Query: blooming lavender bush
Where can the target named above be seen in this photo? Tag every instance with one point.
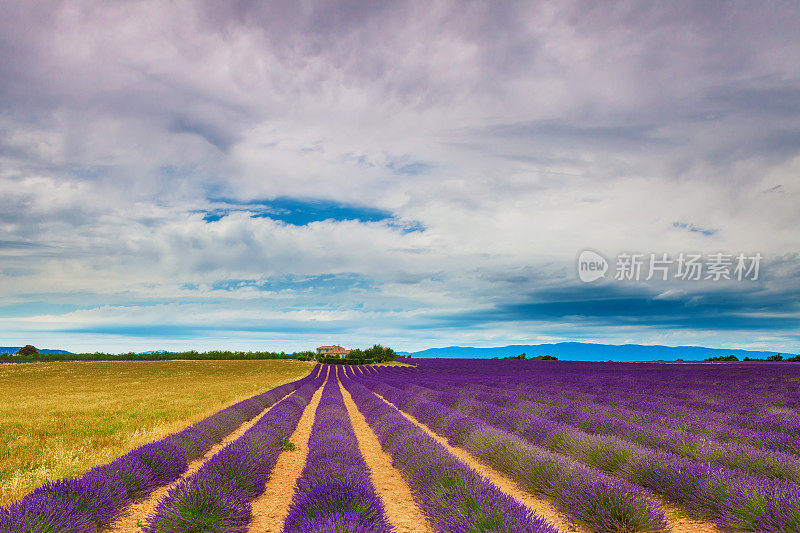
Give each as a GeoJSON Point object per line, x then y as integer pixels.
{"type": "Point", "coordinates": [210, 503]}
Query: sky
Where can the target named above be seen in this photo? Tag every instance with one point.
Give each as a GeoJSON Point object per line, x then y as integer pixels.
{"type": "Point", "coordinates": [280, 175]}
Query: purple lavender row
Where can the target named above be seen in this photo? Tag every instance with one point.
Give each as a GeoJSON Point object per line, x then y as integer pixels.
{"type": "Point", "coordinates": [604, 503]}
{"type": "Point", "coordinates": [662, 396]}
{"type": "Point", "coordinates": [718, 394]}
{"type": "Point", "coordinates": [736, 455]}
{"type": "Point", "coordinates": [747, 404]}
{"type": "Point", "coordinates": [93, 501]}
{"type": "Point", "coordinates": [757, 462]}
{"type": "Point", "coordinates": [334, 491]}
{"type": "Point", "coordinates": [217, 497]}
{"type": "Point", "coordinates": [453, 497]}
{"type": "Point", "coordinates": [738, 502]}
{"type": "Point", "coordinates": [706, 383]}
{"type": "Point", "coordinates": [651, 406]}
{"type": "Point", "coordinates": [741, 388]}
{"type": "Point", "coordinates": [737, 412]}
{"type": "Point", "coordinates": [555, 407]}
{"type": "Point", "coordinates": [732, 415]}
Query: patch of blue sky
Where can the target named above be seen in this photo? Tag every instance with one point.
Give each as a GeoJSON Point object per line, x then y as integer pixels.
{"type": "Point", "coordinates": [214, 215]}
{"type": "Point", "coordinates": [301, 212]}
{"type": "Point", "coordinates": [320, 284]}
{"type": "Point", "coordinates": [694, 229]}
{"type": "Point", "coordinates": [298, 212]}
{"type": "Point", "coordinates": [407, 227]}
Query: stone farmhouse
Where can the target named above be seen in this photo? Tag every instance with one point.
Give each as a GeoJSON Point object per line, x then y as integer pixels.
{"type": "Point", "coordinates": [333, 351]}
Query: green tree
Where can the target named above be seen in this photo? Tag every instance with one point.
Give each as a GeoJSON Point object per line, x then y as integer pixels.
{"type": "Point", "coordinates": [724, 358]}
{"type": "Point", "coordinates": [379, 354]}
{"type": "Point", "coordinates": [305, 356]}
{"type": "Point", "coordinates": [357, 355]}
{"type": "Point", "coordinates": [28, 351]}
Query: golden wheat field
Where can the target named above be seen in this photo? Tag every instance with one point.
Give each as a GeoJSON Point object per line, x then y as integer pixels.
{"type": "Point", "coordinates": [60, 419]}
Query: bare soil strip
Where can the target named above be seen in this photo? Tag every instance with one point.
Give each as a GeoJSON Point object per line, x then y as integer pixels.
{"type": "Point", "coordinates": [541, 507]}
{"type": "Point", "coordinates": [271, 508]}
{"type": "Point", "coordinates": [136, 515]}
{"type": "Point", "coordinates": [401, 509]}
{"type": "Point", "coordinates": [678, 521]}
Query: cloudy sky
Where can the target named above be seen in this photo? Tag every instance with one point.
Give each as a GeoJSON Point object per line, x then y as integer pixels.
{"type": "Point", "coordinates": [278, 175]}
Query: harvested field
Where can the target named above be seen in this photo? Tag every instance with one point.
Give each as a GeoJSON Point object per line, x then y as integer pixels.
{"type": "Point", "coordinates": [59, 419]}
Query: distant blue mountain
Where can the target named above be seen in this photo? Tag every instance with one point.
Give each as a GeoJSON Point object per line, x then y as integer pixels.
{"type": "Point", "coordinates": [583, 351]}
{"type": "Point", "coordinates": [153, 352]}
{"type": "Point", "coordinates": [15, 349]}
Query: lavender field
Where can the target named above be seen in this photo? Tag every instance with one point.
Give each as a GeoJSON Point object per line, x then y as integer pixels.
{"type": "Point", "coordinates": [463, 446]}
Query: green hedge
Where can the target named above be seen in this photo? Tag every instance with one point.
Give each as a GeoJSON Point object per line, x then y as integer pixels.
{"type": "Point", "coordinates": [346, 361]}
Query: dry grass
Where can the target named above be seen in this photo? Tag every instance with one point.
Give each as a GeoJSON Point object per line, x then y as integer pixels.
{"type": "Point", "coordinates": [60, 419]}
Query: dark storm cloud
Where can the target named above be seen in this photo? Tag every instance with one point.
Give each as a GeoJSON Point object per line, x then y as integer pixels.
{"type": "Point", "coordinates": [771, 303]}
{"type": "Point", "coordinates": [733, 307]}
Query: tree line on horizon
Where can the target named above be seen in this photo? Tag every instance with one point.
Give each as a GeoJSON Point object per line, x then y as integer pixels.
{"type": "Point", "coordinates": [777, 358]}
{"type": "Point", "coordinates": [30, 353]}
{"type": "Point", "coordinates": [523, 357]}
{"type": "Point", "coordinates": [375, 354]}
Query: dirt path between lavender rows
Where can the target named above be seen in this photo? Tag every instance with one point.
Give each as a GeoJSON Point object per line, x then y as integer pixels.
{"type": "Point", "coordinates": [271, 508]}
{"type": "Point", "coordinates": [678, 521]}
{"type": "Point", "coordinates": [541, 507]}
{"type": "Point", "coordinates": [138, 512]}
{"type": "Point", "coordinates": [401, 509]}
